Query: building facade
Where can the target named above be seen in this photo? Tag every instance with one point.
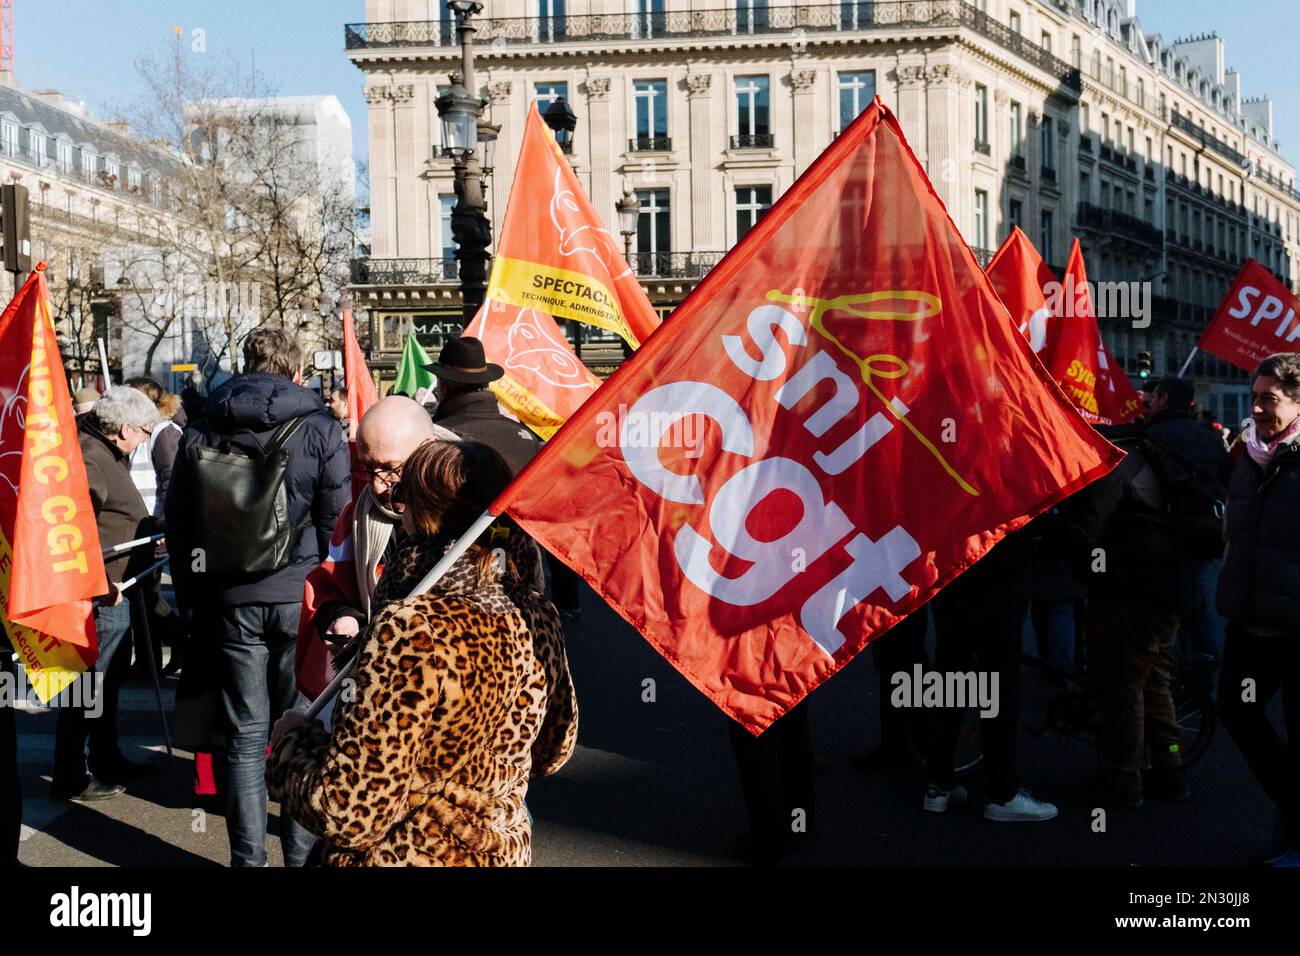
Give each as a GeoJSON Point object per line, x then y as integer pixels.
{"type": "Point", "coordinates": [1061, 116]}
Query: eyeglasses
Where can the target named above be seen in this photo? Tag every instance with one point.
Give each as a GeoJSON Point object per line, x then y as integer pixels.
{"type": "Point", "coordinates": [389, 476]}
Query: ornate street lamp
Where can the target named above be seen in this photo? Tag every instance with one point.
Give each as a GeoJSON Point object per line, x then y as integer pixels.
{"type": "Point", "coordinates": [562, 122]}
{"type": "Point", "coordinates": [459, 109]}
{"type": "Point", "coordinates": [629, 214]}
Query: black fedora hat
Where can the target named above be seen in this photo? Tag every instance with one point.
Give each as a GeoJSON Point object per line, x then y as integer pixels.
{"type": "Point", "coordinates": [462, 360]}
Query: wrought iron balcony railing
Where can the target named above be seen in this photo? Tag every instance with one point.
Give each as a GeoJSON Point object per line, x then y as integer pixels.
{"type": "Point", "coordinates": [983, 147]}
{"type": "Point", "coordinates": [405, 271]}
{"type": "Point", "coordinates": [1085, 143]}
{"type": "Point", "coordinates": [801, 23]}
{"type": "Point", "coordinates": [753, 141]}
{"type": "Point", "coordinates": [1091, 216]}
{"type": "Point", "coordinates": [675, 265]}
{"type": "Point", "coordinates": [1048, 174]}
{"type": "Point", "coordinates": [1018, 162]}
{"type": "Point", "coordinates": [650, 144]}
{"type": "Point", "coordinates": [1185, 124]}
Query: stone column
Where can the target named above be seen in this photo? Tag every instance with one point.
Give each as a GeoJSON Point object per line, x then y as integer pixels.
{"type": "Point", "coordinates": [383, 173]}
{"type": "Point", "coordinates": [699, 91]}
{"type": "Point", "coordinates": [603, 150]}
{"type": "Point", "coordinates": [413, 236]}
{"type": "Point", "coordinates": [804, 147]}
{"type": "Point", "coordinates": [949, 138]}
{"type": "Point", "coordinates": [911, 108]}
{"type": "Point", "coordinates": [503, 158]}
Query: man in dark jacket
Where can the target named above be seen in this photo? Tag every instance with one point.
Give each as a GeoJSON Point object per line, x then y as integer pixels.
{"type": "Point", "coordinates": [119, 421]}
{"type": "Point", "coordinates": [1259, 594]}
{"type": "Point", "coordinates": [469, 408]}
{"type": "Point", "coordinates": [252, 617]}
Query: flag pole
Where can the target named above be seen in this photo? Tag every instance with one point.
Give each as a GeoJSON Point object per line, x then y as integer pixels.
{"type": "Point", "coordinates": [1188, 362]}
{"type": "Point", "coordinates": [472, 534]}
{"type": "Point", "coordinates": [141, 614]}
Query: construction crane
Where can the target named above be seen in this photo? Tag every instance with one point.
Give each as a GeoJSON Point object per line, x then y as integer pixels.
{"type": "Point", "coordinates": [7, 37]}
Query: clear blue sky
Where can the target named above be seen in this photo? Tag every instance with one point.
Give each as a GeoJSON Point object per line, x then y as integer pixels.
{"type": "Point", "coordinates": [88, 48]}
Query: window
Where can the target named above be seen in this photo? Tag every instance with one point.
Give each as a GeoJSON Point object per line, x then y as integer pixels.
{"type": "Point", "coordinates": [752, 119]}
{"type": "Point", "coordinates": [1149, 153]}
{"type": "Point", "coordinates": [855, 90]}
{"type": "Point", "coordinates": [63, 156]}
{"type": "Point", "coordinates": [1076, 52]}
{"type": "Point", "coordinates": [1015, 213]}
{"type": "Point", "coordinates": [651, 113]}
{"type": "Point", "coordinates": [1085, 123]}
{"type": "Point", "coordinates": [653, 240]}
{"type": "Point", "coordinates": [1017, 130]}
{"type": "Point", "coordinates": [9, 137]}
{"type": "Point", "coordinates": [548, 93]}
{"type": "Point", "coordinates": [37, 146]}
{"type": "Point", "coordinates": [981, 114]}
{"type": "Point", "coordinates": [1046, 42]}
{"type": "Point", "coordinates": [751, 16]}
{"type": "Point", "coordinates": [855, 14]}
{"type": "Point", "coordinates": [1105, 127]}
{"type": "Point", "coordinates": [1142, 93]}
{"type": "Point", "coordinates": [88, 163]}
{"type": "Point", "coordinates": [1014, 21]}
{"type": "Point", "coordinates": [1045, 231]}
{"type": "Point", "coordinates": [550, 20]}
{"type": "Point", "coordinates": [981, 219]}
{"type": "Point", "coordinates": [751, 203]}
{"type": "Point", "coordinates": [133, 177]}
{"type": "Point", "coordinates": [649, 20]}
{"type": "Point", "coordinates": [449, 265]}
{"type": "Point", "coordinates": [1049, 161]}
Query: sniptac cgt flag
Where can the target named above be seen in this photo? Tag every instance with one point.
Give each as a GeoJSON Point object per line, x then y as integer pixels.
{"type": "Point", "coordinates": [1258, 317]}
{"type": "Point", "coordinates": [50, 561]}
{"type": "Point", "coordinates": [837, 422]}
{"type": "Point", "coordinates": [1019, 277]}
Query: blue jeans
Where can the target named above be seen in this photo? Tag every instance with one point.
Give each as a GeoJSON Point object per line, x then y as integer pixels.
{"type": "Point", "coordinates": [112, 630]}
{"type": "Point", "coordinates": [256, 649]}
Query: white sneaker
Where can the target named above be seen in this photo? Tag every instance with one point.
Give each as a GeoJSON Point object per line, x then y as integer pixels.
{"type": "Point", "coordinates": [1022, 808]}
{"type": "Point", "coordinates": [937, 800]}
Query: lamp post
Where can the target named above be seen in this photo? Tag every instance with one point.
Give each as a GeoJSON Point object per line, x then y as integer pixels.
{"type": "Point", "coordinates": [459, 109]}
{"type": "Point", "coordinates": [629, 214]}
{"type": "Point", "coordinates": [562, 122]}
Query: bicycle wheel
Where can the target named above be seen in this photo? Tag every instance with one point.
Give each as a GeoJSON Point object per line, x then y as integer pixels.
{"type": "Point", "coordinates": [1194, 711]}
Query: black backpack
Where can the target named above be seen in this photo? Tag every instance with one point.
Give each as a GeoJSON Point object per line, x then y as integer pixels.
{"type": "Point", "coordinates": [1194, 500]}
{"type": "Point", "coordinates": [242, 505]}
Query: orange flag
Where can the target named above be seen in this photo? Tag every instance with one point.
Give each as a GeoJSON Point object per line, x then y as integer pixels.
{"type": "Point", "coordinates": [1077, 357]}
{"type": "Point", "coordinates": [50, 561]}
{"type": "Point", "coordinates": [1019, 277]}
{"type": "Point", "coordinates": [554, 260]}
{"type": "Point", "coordinates": [838, 421]}
{"type": "Point", "coordinates": [356, 376]}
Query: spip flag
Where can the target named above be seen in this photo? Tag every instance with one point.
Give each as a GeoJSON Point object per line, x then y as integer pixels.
{"type": "Point", "coordinates": [1019, 277]}
{"type": "Point", "coordinates": [837, 422]}
{"type": "Point", "coordinates": [1257, 318]}
{"type": "Point", "coordinates": [554, 260]}
{"type": "Point", "coordinates": [50, 562]}
{"type": "Point", "coordinates": [1077, 357]}
{"type": "Point", "coordinates": [413, 379]}
{"type": "Point", "coordinates": [356, 375]}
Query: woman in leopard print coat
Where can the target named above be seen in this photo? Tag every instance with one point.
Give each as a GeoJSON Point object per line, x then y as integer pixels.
{"type": "Point", "coordinates": [461, 694]}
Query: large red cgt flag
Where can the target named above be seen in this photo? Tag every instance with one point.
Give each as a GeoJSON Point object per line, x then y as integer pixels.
{"type": "Point", "coordinates": [837, 422]}
{"type": "Point", "coordinates": [554, 261]}
{"type": "Point", "coordinates": [50, 561]}
{"type": "Point", "coordinates": [1076, 356]}
{"type": "Point", "coordinates": [1019, 277]}
{"type": "Point", "coordinates": [1257, 318]}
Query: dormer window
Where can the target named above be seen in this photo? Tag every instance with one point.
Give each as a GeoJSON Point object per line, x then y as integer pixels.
{"type": "Point", "coordinates": [9, 137]}
{"type": "Point", "coordinates": [88, 163]}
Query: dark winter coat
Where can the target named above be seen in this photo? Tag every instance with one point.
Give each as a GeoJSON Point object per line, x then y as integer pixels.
{"type": "Point", "coordinates": [475, 416]}
{"type": "Point", "coordinates": [120, 514]}
{"type": "Point", "coordinates": [1260, 582]}
{"type": "Point", "coordinates": [316, 483]}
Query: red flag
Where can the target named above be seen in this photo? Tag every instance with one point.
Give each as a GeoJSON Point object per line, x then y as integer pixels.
{"type": "Point", "coordinates": [1255, 319]}
{"type": "Point", "coordinates": [1019, 277]}
{"type": "Point", "coordinates": [1076, 356]}
{"type": "Point", "coordinates": [50, 561]}
{"type": "Point", "coordinates": [838, 421]}
{"type": "Point", "coordinates": [356, 375]}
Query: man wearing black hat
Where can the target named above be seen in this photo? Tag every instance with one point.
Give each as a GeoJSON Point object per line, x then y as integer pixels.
{"type": "Point", "coordinates": [469, 408]}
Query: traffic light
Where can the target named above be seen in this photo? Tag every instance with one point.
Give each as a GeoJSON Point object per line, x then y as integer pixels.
{"type": "Point", "coordinates": [1144, 365]}
{"type": "Point", "coordinates": [16, 229]}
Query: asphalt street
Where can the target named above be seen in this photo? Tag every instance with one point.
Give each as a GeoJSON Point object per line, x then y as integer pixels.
{"type": "Point", "coordinates": [655, 784]}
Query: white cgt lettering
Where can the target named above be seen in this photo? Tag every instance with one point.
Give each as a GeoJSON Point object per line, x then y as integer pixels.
{"type": "Point", "coordinates": [821, 525]}
{"type": "Point", "coordinates": [663, 406]}
{"type": "Point", "coordinates": [876, 564]}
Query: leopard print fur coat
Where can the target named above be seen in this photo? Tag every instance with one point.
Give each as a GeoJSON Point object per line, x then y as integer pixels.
{"type": "Point", "coordinates": [461, 694]}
